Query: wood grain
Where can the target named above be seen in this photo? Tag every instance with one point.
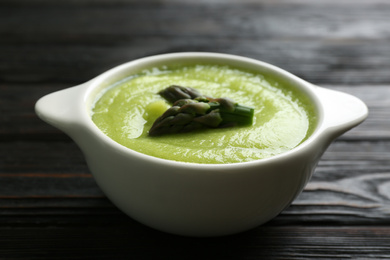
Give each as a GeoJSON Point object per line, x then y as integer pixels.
{"type": "Point", "coordinates": [132, 241]}
{"type": "Point", "coordinates": [50, 205]}
{"type": "Point", "coordinates": [335, 43]}
{"type": "Point", "coordinates": [361, 62]}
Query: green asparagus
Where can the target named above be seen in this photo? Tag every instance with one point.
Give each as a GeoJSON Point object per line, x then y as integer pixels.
{"type": "Point", "coordinates": [191, 111]}
{"type": "Point", "coordinates": [175, 92]}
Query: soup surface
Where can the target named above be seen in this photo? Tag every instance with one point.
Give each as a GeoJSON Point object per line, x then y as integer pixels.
{"type": "Point", "coordinates": [283, 117]}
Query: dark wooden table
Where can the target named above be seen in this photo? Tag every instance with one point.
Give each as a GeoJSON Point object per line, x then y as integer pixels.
{"type": "Point", "coordinates": [50, 206]}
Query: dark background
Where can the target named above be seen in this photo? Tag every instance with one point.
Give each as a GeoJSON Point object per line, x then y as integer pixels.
{"type": "Point", "coordinates": [50, 206]}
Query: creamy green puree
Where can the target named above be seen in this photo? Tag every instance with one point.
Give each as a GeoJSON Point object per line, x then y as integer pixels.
{"type": "Point", "coordinates": [283, 117]}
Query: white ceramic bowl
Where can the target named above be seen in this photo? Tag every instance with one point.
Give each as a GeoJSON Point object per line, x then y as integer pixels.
{"type": "Point", "coordinates": [198, 199]}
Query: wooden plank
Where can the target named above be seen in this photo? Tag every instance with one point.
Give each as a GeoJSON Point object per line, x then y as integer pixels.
{"type": "Point", "coordinates": [168, 2]}
{"type": "Point", "coordinates": [351, 182]}
{"type": "Point", "coordinates": [255, 19]}
{"type": "Point", "coordinates": [43, 159]}
{"type": "Point", "coordinates": [50, 206]}
{"type": "Point", "coordinates": [317, 61]}
{"type": "Point", "coordinates": [135, 242]}
{"type": "Point", "coordinates": [335, 43]}
{"type": "Point", "coordinates": [18, 118]}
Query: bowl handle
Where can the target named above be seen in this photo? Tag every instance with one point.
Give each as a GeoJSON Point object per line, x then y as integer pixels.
{"type": "Point", "coordinates": [342, 111]}
{"type": "Point", "coordinates": [62, 109]}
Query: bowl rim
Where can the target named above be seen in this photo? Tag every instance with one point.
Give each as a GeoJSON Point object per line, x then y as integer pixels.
{"type": "Point", "coordinates": [94, 87]}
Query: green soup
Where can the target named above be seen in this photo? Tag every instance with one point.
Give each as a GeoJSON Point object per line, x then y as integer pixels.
{"type": "Point", "coordinates": [283, 117]}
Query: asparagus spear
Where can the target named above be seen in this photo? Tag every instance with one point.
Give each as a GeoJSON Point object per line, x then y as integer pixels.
{"type": "Point", "coordinates": [192, 111]}
{"type": "Point", "coordinates": [175, 92]}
